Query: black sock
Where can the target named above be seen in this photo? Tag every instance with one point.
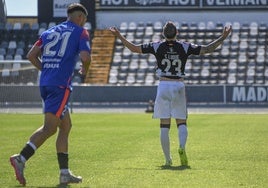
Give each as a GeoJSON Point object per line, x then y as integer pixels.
{"type": "Point", "coordinates": [63, 160]}
{"type": "Point", "coordinates": [27, 152]}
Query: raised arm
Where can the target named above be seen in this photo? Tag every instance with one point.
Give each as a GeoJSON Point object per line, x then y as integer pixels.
{"type": "Point", "coordinates": [213, 45]}
{"type": "Point", "coordinates": [132, 47]}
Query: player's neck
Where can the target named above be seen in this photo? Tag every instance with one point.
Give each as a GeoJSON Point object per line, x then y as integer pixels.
{"type": "Point", "coordinates": [170, 40]}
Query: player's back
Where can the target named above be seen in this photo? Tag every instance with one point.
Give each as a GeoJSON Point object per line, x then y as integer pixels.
{"type": "Point", "coordinates": [171, 57]}
{"type": "Point", "coordinates": [60, 47]}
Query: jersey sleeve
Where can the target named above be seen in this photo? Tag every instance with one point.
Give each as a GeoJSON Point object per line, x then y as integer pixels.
{"type": "Point", "coordinates": [38, 43]}
{"type": "Point", "coordinates": [84, 44]}
{"type": "Point", "coordinates": [194, 49]}
{"type": "Point", "coordinates": [148, 48]}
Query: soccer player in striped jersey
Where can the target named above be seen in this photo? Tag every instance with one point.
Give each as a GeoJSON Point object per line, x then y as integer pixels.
{"type": "Point", "coordinates": [171, 56]}
{"type": "Point", "coordinates": [55, 54]}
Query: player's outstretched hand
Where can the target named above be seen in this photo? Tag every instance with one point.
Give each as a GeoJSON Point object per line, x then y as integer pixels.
{"type": "Point", "coordinates": [114, 31]}
{"type": "Point", "coordinates": [226, 31]}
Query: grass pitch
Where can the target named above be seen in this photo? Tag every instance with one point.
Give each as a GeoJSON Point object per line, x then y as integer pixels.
{"type": "Point", "coordinates": [123, 150]}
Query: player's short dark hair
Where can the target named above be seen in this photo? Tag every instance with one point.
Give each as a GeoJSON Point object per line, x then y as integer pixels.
{"type": "Point", "coordinates": [169, 30]}
{"type": "Point", "coordinates": [76, 7]}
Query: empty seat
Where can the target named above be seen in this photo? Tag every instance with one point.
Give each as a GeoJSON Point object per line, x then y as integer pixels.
{"type": "Point", "coordinates": [210, 25]}
{"type": "Point", "coordinates": [26, 26]}
{"type": "Point", "coordinates": [113, 80]}
{"type": "Point", "coordinates": [236, 26]}
{"type": "Point", "coordinates": [113, 72]}
{"type": "Point", "coordinates": [5, 72]}
{"type": "Point", "coordinates": [9, 57]}
{"type": "Point", "coordinates": [232, 66]}
{"type": "Point", "coordinates": [204, 73]}
{"type": "Point", "coordinates": [149, 31]}
{"type": "Point", "coordinates": [9, 26]}
{"type": "Point", "coordinates": [88, 26]}
{"type": "Point", "coordinates": [126, 52]}
{"type": "Point", "coordinates": [158, 26]}
{"type": "Point", "coordinates": [19, 51]}
{"type": "Point", "coordinates": [11, 51]}
{"type": "Point", "coordinates": [149, 79]}
{"type": "Point", "coordinates": [121, 78]}
{"type": "Point", "coordinates": [12, 44]}
{"type": "Point", "coordinates": [117, 59]}
{"type": "Point", "coordinates": [43, 25]}
{"type": "Point", "coordinates": [231, 79]}
{"type": "Point", "coordinates": [201, 26]}
{"type": "Point", "coordinates": [41, 30]}
{"type": "Point", "coordinates": [2, 51]}
{"type": "Point", "coordinates": [143, 64]}
{"type": "Point", "coordinates": [15, 69]}
{"type": "Point", "coordinates": [134, 65]}
{"type": "Point", "coordinates": [130, 79]}
{"type": "Point", "coordinates": [156, 37]}
{"type": "Point", "coordinates": [132, 26]}
{"type": "Point", "coordinates": [17, 57]}
{"type": "Point", "coordinates": [124, 66]}
{"type": "Point", "coordinates": [51, 24]}
{"type": "Point", "coordinates": [4, 44]}
{"type": "Point", "coordinates": [250, 72]}
{"type": "Point", "coordinates": [123, 26]}
{"type": "Point", "coordinates": [35, 26]}
{"type": "Point", "coordinates": [17, 26]}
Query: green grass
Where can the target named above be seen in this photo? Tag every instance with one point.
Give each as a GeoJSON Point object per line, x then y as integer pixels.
{"type": "Point", "coordinates": [123, 150]}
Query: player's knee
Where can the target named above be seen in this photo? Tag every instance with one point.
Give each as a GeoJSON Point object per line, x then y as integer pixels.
{"type": "Point", "coordinates": [49, 130]}
{"type": "Point", "coordinates": [165, 126]}
{"type": "Point", "coordinates": [180, 122]}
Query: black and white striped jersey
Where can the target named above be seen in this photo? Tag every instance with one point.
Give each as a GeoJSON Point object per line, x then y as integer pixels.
{"type": "Point", "coordinates": [171, 56]}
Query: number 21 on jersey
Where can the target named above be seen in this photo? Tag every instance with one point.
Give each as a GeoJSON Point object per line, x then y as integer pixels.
{"type": "Point", "coordinates": [54, 38]}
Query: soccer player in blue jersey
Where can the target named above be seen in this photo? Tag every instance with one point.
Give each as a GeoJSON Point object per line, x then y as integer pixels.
{"type": "Point", "coordinates": [171, 56]}
{"type": "Point", "coordinates": [55, 54]}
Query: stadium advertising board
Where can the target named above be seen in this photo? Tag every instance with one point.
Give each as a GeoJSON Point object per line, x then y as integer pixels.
{"type": "Point", "coordinates": [247, 94]}
{"type": "Point", "coordinates": [60, 6]}
{"type": "Point", "coordinates": [182, 4]}
{"type": "Point", "coordinates": [55, 10]}
{"type": "Point", "coordinates": [196, 94]}
{"type": "Point", "coordinates": [148, 3]}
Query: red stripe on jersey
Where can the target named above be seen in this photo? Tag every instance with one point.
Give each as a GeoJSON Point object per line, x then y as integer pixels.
{"type": "Point", "coordinates": [38, 43]}
{"type": "Point", "coordinates": [85, 34]}
{"type": "Point", "coordinates": [63, 103]}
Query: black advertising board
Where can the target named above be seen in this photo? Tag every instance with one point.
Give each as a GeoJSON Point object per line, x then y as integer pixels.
{"type": "Point", "coordinates": [184, 4]}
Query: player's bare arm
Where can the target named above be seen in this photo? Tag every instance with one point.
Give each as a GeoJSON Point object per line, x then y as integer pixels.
{"type": "Point", "coordinates": [86, 60]}
{"type": "Point", "coordinates": [34, 57]}
{"type": "Point", "coordinates": [132, 47]}
{"type": "Point", "coordinates": [213, 45]}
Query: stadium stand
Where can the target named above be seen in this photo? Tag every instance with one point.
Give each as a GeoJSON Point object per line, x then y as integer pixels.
{"type": "Point", "coordinates": [15, 41]}
{"type": "Point", "coordinates": [242, 59]}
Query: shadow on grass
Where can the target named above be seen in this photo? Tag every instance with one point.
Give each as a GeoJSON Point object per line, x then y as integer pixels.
{"type": "Point", "coordinates": [56, 186]}
{"type": "Point", "coordinates": [164, 167]}
{"type": "Point", "coordinates": [61, 186]}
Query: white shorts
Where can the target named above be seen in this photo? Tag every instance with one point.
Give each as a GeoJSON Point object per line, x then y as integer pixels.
{"type": "Point", "coordinates": [170, 100]}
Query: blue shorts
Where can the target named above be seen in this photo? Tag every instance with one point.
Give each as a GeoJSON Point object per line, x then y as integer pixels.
{"type": "Point", "coordinates": [55, 99]}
